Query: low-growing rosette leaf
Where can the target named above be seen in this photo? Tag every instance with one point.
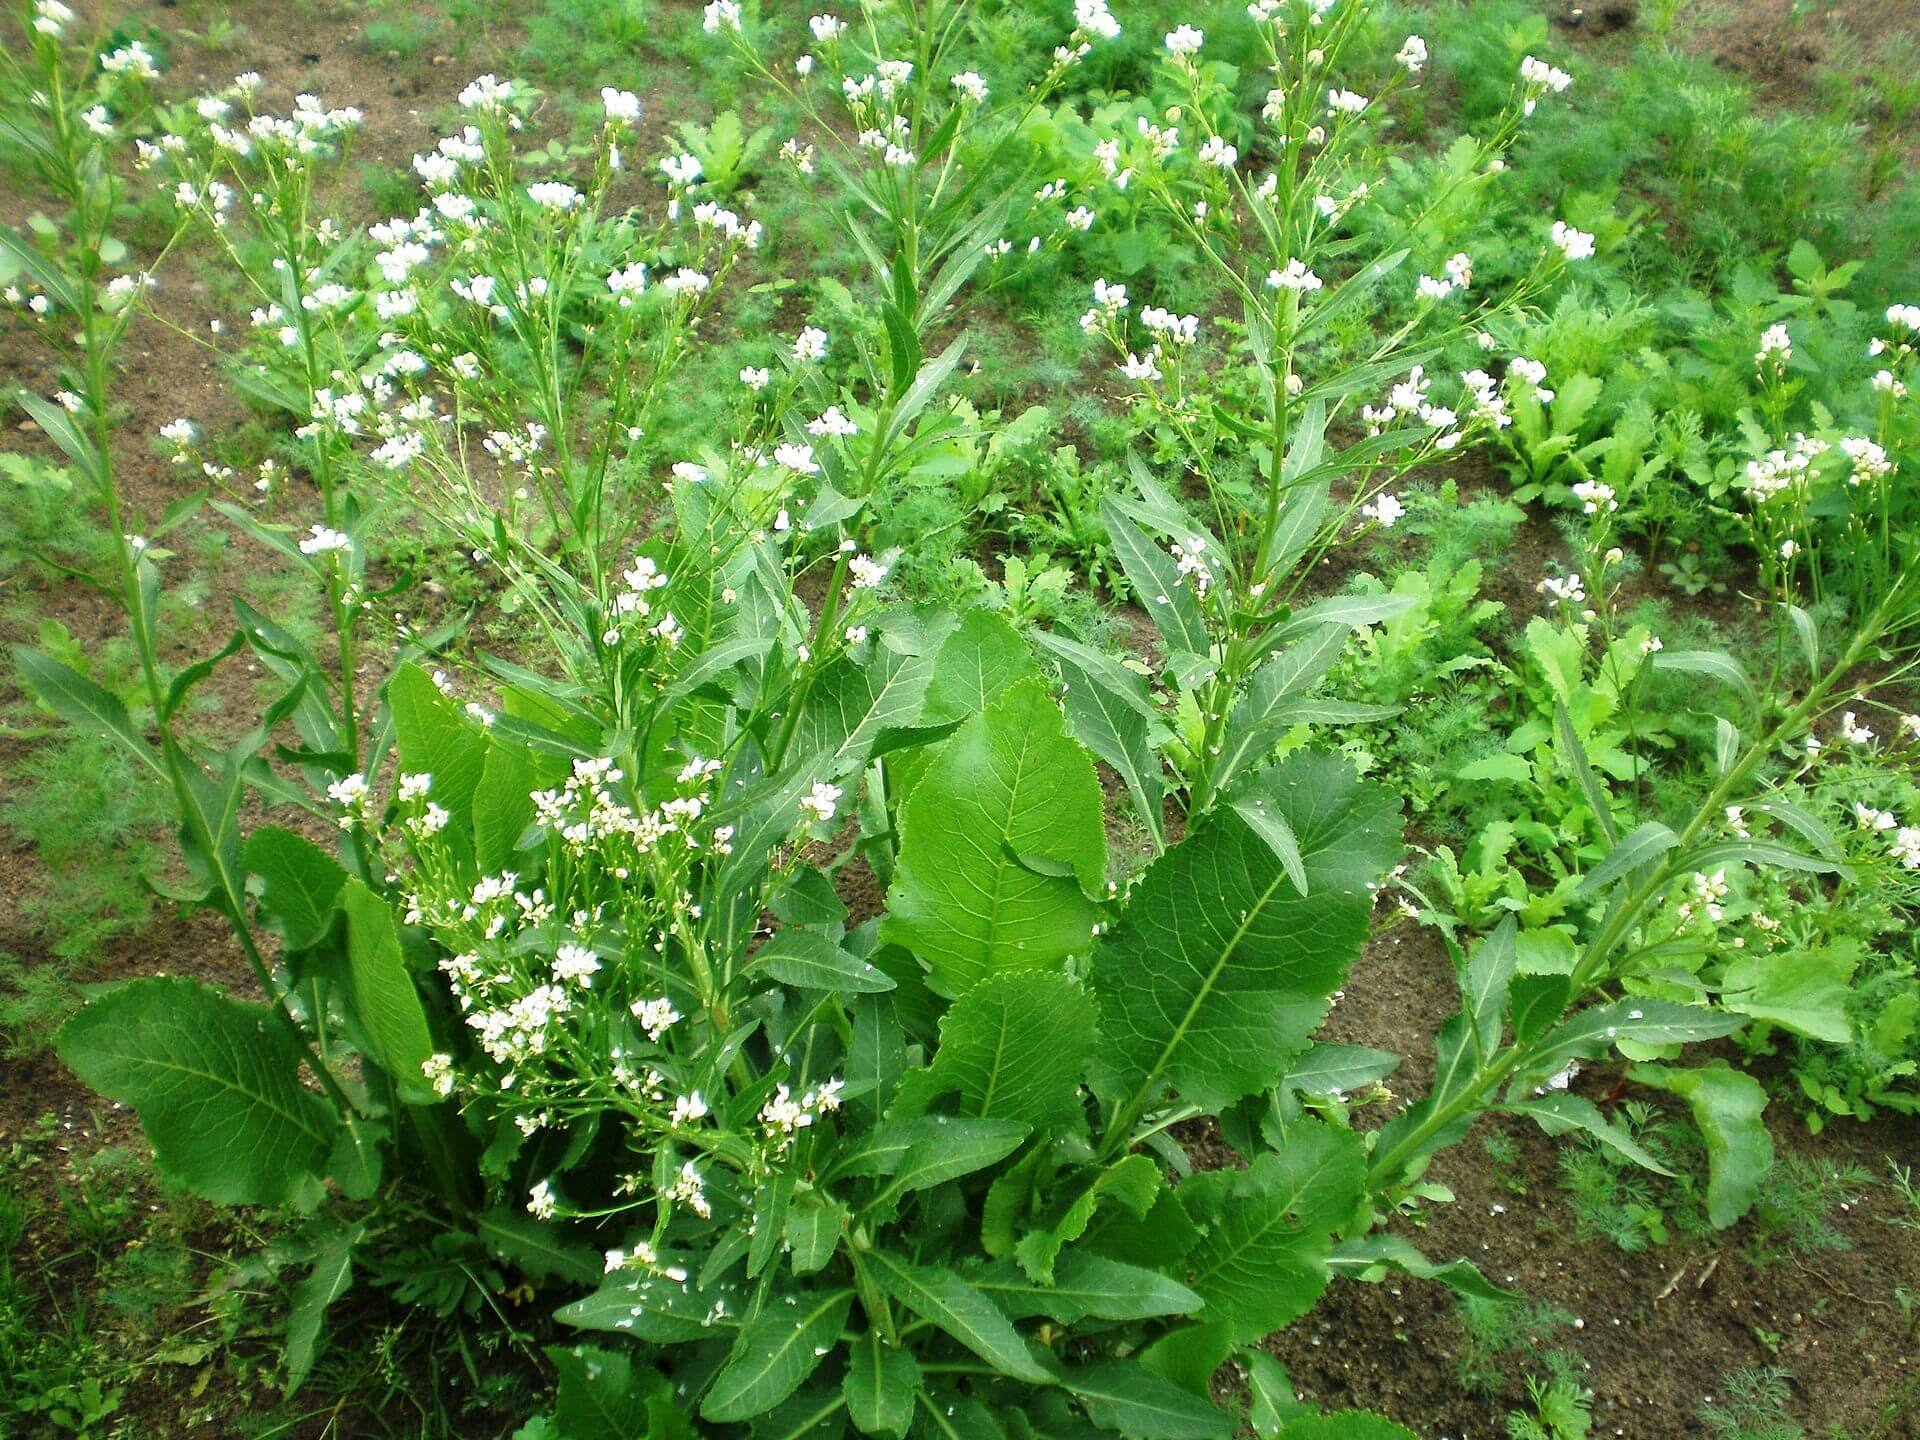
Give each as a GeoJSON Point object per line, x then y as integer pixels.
{"type": "Point", "coordinates": [1727, 1106]}
{"type": "Point", "coordinates": [1220, 969]}
{"type": "Point", "coordinates": [1001, 843]}
{"type": "Point", "coordinates": [216, 1083]}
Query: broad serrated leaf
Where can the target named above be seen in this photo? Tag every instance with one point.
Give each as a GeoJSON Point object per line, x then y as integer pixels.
{"type": "Point", "coordinates": [216, 1084]}
{"type": "Point", "coordinates": [300, 884]}
{"type": "Point", "coordinates": [1001, 843]}
{"type": "Point", "coordinates": [980, 659]}
{"type": "Point", "coordinates": [1220, 969]}
{"type": "Point", "coordinates": [1012, 1048]}
{"type": "Point", "coordinates": [1262, 1260]}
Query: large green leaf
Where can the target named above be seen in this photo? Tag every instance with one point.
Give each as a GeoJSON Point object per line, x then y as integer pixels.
{"type": "Point", "coordinates": [216, 1084]}
{"type": "Point", "coordinates": [435, 737]}
{"type": "Point", "coordinates": [654, 1309]}
{"type": "Point", "coordinates": [602, 1396]}
{"type": "Point", "coordinates": [1804, 991]}
{"type": "Point", "coordinates": [1727, 1106]}
{"type": "Point", "coordinates": [1220, 969]}
{"type": "Point", "coordinates": [850, 704]}
{"type": "Point", "coordinates": [299, 883]}
{"type": "Point", "coordinates": [1012, 1047]}
{"type": "Point", "coordinates": [1001, 843]}
{"type": "Point", "coordinates": [384, 997]}
{"type": "Point", "coordinates": [1263, 1260]}
{"type": "Point", "coordinates": [775, 1351]}
{"type": "Point", "coordinates": [981, 658]}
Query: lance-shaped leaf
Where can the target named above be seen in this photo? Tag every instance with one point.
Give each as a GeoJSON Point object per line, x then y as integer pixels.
{"type": "Point", "coordinates": [656, 1309]}
{"type": "Point", "coordinates": [216, 1084]}
{"type": "Point", "coordinates": [1086, 1284]}
{"type": "Point", "coordinates": [1727, 1106]}
{"type": "Point", "coordinates": [1220, 969]}
{"type": "Point", "coordinates": [1156, 582]}
{"type": "Point", "coordinates": [1265, 712]}
{"type": "Point", "coordinates": [79, 701]}
{"type": "Point", "coordinates": [1001, 843]}
{"type": "Point", "coordinates": [1264, 1258]}
{"type": "Point", "coordinates": [775, 1351]}
{"type": "Point", "coordinates": [880, 1385]}
{"type": "Point", "coordinates": [1124, 1395]}
{"type": "Point", "coordinates": [943, 1298]}
{"type": "Point", "coordinates": [1012, 1048]}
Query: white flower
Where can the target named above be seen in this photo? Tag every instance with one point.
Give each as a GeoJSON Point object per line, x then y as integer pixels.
{"type": "Point", "coordinates": [1383, 510]}
{"type": "Point", "coordinates": [132, 58]}
{"type": "Point", "coordinates": [1573, 244]}
{"type": "Point", "coordinates": [485, 93]}
{"type": "Point", "coordinates": [97, 120]}
{"type": "Point", "coordinates": [1296, 277]}
{"type": "Point", "coordinates": [1218, 153]}
{"type": "Point", "coordinates": [1430, 288]}
{"type": "Point", "coordinates": [827, 28]}
{"type": "Point", "coordinates": [1141, 367]}
{"type": "Point", "coordinates": [1906, 846]}
{"type": "Point", "coordinates": [415, 786]}
{"type": "Point", "coordinates": [680, 169]}
{"type": "Point", "coordinates": [1412, 55]}
{"type": "Point", "coordinates": [1537, 78]}
{"type": "Point", "coordinates": [656, 1017]}
{"type": "Point", "coordinates": [576, 962]}
{"type": "Point", "coordinates": [1853, 732]}
{"type": "Point", "coordinates": [620, 105]}
{"type": "Point", "coordinates": [1093, 18]}
{"type": "Point", "coordinates": [1595, 496]}
{"type": "Point", "coordinates": [810, 345]}
{"type": "Point", "coordinates": [553, 195]}
{"type": "Point", "coordinates": [866, 572]}
{"type": "Point", "coordinates": [832, 422]}
{"type": "Point", "coordinates": [798, 458]}
{"type": "Point", "coordinates": [540, 1201]}
{"type": "Point", "coordinates": [1346, 102]}
{"type": "Point", "coordinates": [721, 14]}
{"type": "Point", "coordinates": [178, 432]}
{"type": "Point", "coordinates": [1774, 341]}
{"type": "Point", "coordinates": [755, 379]}
{"type": "Point", "coordinates": [1185, 41]}
{"type": "Point", "coordinates": [323, 540]}
{"type": "Point", "coordinates": [820, 803]}
{"type": "Point", "coordinates": [438, 1070]}
{"type": "Point", "coordinates": [970, 86]}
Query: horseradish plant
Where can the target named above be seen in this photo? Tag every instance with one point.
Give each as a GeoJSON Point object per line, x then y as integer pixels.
{"type": "Point", "coordinates": [580, 988]}
{"type": "Point", "coordinates": [1267, 224]}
